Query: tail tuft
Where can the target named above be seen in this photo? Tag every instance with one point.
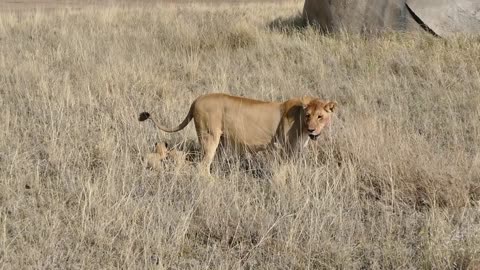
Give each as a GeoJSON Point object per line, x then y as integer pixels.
{"type": "Point", "coordinates": [143, 116]}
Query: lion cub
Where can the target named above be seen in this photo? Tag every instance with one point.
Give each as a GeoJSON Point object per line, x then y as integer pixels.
{"type": "Point", "coordinates": [162, 153]}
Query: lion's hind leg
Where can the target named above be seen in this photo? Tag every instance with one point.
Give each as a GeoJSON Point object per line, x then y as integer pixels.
{"type": "Point", "coordinates": [209, 139]}
{"type": "Point", "coordinates": [209, 143]}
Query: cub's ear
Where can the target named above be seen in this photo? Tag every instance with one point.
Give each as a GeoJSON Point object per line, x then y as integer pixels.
{"type": "Point", "coordinates": [330, 106]}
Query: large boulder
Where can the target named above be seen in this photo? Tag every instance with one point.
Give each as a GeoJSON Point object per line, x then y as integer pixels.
{"type": "Point", "coordinates": [446, 17]}
{"type": "Point", "coordinates": [442, 17]}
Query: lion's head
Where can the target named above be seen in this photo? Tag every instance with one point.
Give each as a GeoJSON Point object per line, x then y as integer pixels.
{"type": "Point", "coordinates": [317, 115]}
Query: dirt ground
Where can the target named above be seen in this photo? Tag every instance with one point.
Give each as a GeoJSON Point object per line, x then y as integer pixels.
{"type": "Point", "coordinates": [6, 5]}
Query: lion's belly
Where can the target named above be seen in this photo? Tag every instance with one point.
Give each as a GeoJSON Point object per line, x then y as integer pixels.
{"type": "Point", "coordinates": [252, 127]}
{"type": "Point", "coordinates": [247, 135]}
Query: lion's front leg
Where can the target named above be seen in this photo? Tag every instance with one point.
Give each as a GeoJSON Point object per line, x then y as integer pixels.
{"type": "Point", "coordinates": [305, 144]}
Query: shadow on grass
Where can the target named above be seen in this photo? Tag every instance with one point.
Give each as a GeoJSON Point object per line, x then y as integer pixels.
{"type": "Point", "coordinates": [289, 24]}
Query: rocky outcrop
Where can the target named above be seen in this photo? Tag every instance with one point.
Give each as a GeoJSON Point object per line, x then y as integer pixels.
{"type": "Point", "coordinates": [442, 17]}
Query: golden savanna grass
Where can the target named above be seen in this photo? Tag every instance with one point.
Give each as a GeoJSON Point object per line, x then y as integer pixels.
{"type": "Point", "coordinates": [394, 183]}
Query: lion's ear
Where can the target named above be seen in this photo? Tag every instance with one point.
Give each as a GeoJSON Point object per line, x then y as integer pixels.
{"type": "Point", "coordinates": [330, 106]}
{"type": "Point", "coordinates": [305, 101]}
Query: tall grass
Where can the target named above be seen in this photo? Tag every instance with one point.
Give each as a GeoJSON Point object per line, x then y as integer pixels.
{"type": "Point", "coordinates": [393, 183]}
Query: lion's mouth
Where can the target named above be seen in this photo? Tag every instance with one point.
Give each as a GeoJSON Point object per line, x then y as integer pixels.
{"type": "Point", "coordinates": [313, 136]}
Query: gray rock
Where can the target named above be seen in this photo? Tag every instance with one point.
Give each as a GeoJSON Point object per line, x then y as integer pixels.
{"type": "Point", "coordinates": [443, 17]}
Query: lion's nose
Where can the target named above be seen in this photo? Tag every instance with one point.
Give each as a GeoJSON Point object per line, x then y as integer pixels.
{"type": "Point", "coordinates": [311, 129]}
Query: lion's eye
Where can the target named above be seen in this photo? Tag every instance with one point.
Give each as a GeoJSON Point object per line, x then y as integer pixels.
{"type": "Point", "coordinates": [307, 115]}
{"type": "Point", "coordinates": [320, 117]}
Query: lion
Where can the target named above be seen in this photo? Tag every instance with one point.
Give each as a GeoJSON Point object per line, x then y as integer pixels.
{"type": "Point", "coordinates": [163, 153]}
{"type": "Point", "coordinates": [155, 160]}
{"type": "Point", "coordinates": [253, 125]}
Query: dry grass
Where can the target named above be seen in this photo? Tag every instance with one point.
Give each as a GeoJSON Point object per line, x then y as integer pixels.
{"type": "Point", "coordinates": [394, 183]}
{"type": "Point", "coordinates": [46, 5]}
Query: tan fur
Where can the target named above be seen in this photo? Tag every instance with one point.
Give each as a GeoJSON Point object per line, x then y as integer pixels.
{"type": "Point", "coordinates": [155, 160]}
{"type": "Point", "coordinates": [161, 154]}
{"type": "Point", "coordinates": [252, 124]}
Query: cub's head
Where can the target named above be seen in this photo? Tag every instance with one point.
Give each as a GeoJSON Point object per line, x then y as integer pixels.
{"type": "Point", "coordinates": [317, 115]}
{"type": "Point", "coordinates": [155, 160]}
{"type": "Point", "coordinates": [161, 149]}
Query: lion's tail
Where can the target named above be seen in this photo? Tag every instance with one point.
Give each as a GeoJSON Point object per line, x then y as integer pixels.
{"type": "Point", "coordinates": [145, 115]}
